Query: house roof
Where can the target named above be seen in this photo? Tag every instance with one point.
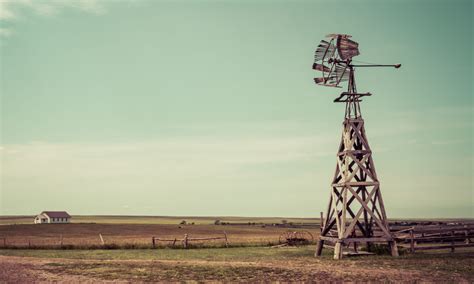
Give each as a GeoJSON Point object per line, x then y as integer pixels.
{"type": "Point", "coordinates": [56, 214]}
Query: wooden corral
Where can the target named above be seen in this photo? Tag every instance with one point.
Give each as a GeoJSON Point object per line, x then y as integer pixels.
{"type": "Point", "coordinates": [436, 237]}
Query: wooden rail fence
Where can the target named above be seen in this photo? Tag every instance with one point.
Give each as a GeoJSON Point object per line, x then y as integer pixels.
{"type": "Point", "coordinates": [436, 238]}
{"type": "Point", "coordinates": [186, 240]}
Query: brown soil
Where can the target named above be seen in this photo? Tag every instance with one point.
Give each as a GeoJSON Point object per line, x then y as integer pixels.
{"type": "Point", "coordinates": [26, 270]}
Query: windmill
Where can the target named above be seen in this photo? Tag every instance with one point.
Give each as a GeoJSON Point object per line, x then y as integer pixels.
{"type": "Point", "coordinates": [356, 213]}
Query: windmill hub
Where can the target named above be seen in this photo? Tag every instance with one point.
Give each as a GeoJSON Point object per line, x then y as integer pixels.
{"type": "Point", "coordinates": [356, 213]}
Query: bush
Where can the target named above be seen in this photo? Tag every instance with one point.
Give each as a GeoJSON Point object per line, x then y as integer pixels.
{"type": "Point", "coordinates": [183, 222]}
{"type": "Point", "coordinates": [381, 249]}
{"type": "Point", "coordinates": [217, 222]}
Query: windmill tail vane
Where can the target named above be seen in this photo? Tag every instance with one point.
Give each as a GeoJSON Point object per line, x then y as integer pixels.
{"type": "Point", "coordinates": [333, 57]}
{"type": "Point", "coordinates": [356, 213]}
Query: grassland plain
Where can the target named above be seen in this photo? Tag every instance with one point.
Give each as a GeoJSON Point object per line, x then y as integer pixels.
{"type": "Point", "coordinates": [247, 261]}
{"type": "Point", "coordinates": [119, 219]}
{"type": "Point", "coordinates": [230, 264]}
{"type": "Point", "coordinates": [137, 231]}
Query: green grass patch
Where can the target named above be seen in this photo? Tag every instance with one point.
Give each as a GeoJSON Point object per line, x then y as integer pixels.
{"type": "Point", "coordinates": [214, 254]}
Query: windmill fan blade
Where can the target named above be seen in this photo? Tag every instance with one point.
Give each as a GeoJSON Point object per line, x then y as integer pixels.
{"type": "Point", "coordinates": [326, 81]}
{"type": "Point", "coordinates": [347, 48]}
{"type": "Point", "coordinates": [321, 67]}
{"type": "Point", "coordinates": [325, 49]}
{"type": "Point", "coordinates": [319, 80]}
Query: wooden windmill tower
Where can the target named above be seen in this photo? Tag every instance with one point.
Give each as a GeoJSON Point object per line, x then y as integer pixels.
{"type": "Point", "coordinates": [356, 212]}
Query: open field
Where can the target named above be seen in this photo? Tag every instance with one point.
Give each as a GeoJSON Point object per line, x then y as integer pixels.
{"type": "Point", "coordinates": [114, 219]}
{"type": "Point", "coordinates": [248, 259]}
{"type": "Point", "coordinates": [138, 234]}
{"type": "Point", "coordinates": [229, 264]}
{"type": "Point", "coordinates": [138, 231]}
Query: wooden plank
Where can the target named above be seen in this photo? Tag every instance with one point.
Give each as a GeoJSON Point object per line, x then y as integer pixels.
{"type": "Point", "coordinates": [372, 239]}
{"type": "Point", "coordinates": [349, 210]}
{"type": "Point", "coordinates": [338, 251]}
{"type": "Point", "coordinates": [338, 223]}
{"type": "Point", "coordinates": [331, 239]}
{"type": "Point", "coordinates": [440, 238]}
{"type": "Point", "coordinates": [360, 240]}
{"type": "Point", "coordinates": [438, 231]}
{"type": "Point", "coordinates": [351, 226]}
{"type": "Point", "coordinates": [344, 210]}
{"type": "Point", "coordinates": [379, 223]}
{"type": "Point", "coordinates": [345, 152]}
{"type": "Point", "coordinates": [444, 246]}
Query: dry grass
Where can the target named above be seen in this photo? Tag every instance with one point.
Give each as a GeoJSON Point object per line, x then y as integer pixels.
{"type": "Point", "coordinates": [134, 235]}
{"type": "Point", "coordinates": [233, 264]}
{"type": "Point", "coordinates": [244, 264]}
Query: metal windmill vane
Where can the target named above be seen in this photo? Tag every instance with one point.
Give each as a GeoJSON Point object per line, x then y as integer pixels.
{"type": "Point", "coordinates": [356, 213]}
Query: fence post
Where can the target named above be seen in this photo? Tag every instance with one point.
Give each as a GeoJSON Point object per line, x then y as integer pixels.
{"type": "Point", "coordinates": [29, 243]}
{"type": "Point", "coordinates": [321, 220]}
{"type": "Point", "coordinates": [466, 233]}
{"type": "Point", "coordinates": [174, 242]}
{"type": "Point", "coordinates": [101, 239]}
{"type": "Point", "coordinates": [61, 240]}
{"type": "Point", "coordinates": [452, 241]}
{"type": "Point", "coordinates": [412, 241]}
{"type": "Point", "coordinates": [185, 241]}
{"type": "Point", "coordinates": [226, 241]}
{"type": "Point", "coordinates": [153, 241]}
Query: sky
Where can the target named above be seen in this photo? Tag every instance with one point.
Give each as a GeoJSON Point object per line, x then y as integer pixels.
{"type": "Point", "coordinates": [209, 107]}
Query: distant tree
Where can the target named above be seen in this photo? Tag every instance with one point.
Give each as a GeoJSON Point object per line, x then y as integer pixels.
{"type": "Point", "coordinates": [284, 221]}
{"type": "Point", "coordinates": [217, 222]}
{"type": "Point", "coordinates": [183, 222]}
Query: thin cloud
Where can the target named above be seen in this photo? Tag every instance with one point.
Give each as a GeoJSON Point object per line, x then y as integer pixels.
{"type": "Point", "coordinates": [447, 142]}
{"type": "Point", "coordinates": [13, 10]}
{"type": "Point", "coordinates": [5, 32]}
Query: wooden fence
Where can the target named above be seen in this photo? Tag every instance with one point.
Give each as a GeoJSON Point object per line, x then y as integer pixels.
{"type": "Point", "coordinates": [186, 240]}
{"type": "Point", "coordinates": [436, 237]}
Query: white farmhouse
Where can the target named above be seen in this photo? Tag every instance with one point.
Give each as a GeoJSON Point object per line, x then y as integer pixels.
{"type": "Point", "coordinates": [52, 217]}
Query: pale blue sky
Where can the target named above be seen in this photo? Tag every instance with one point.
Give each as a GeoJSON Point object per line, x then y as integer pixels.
{"type": "Point", "coordinates": [209, 108]}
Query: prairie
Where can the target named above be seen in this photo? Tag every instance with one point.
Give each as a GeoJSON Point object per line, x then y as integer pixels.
{"type": "Point", "coordinates": [250, 258]}
{"type": "Point", "coordinates": [230, 264]}
{"type": "Point", "coordinates": [138, 231]}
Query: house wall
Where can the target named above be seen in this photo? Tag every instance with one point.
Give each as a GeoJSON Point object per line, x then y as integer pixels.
{"type": "Point", "coordinates": [59, 220]}
{"type": "Point", "coordinates": [39, 219]}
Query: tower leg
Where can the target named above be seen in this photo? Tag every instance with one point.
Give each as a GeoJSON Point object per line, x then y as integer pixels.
{"type": "Point", "coordinates": [393, 248]}
{"type": "Point", "coordinates": [319, 248]}
{"type": "Point", "coordinates": [338, 250]}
